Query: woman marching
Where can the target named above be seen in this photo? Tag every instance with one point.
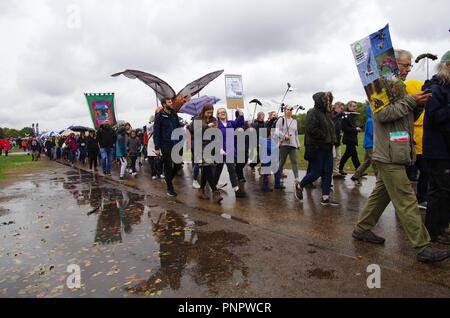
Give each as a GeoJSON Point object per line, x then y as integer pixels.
{"type": "Point", "coordinates": [229, 149]}
{"type": "Point", "coordinates": [154, 160]}
{"type": "Point", "coordinates": [92, 150]}
{"type": "Point", "coordinates": [206, 121]}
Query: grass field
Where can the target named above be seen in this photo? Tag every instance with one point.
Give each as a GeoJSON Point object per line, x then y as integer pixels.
{"type": "Point", "coordinates": [13, 162]}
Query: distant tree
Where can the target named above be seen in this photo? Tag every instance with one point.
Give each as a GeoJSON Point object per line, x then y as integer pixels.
{"type": "Point", "coordinates": [2, 134]}
{"type": "Point", "coordinates": [26, 131]}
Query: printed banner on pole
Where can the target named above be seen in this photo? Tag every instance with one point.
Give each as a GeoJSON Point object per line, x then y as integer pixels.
{"type": "Point", "coordinates": [378, 69]}
{"type": "Point", "coordinates": [234, 91]}
{"type": "Point", "coordinates": [102, 109]}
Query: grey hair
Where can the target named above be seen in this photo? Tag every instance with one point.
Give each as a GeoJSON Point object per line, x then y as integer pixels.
{"type": "Point", "coordinates": [400, 52]}
{"type": "Point", "coordinates": [443, 73]}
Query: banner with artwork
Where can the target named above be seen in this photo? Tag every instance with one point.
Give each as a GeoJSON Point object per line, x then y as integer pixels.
{"type": "Point", "coordinates": [234, 91]}
{"type": "Point", "coordinates": [378, 69]}
{"type": "Point", "coordinates": [101, 107]}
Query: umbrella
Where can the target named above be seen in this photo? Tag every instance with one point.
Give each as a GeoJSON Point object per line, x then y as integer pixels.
{"type": "Point", "coordinates": [79, 128]}
{"type": "Point", "coordinates": [195, 105]}
{"type": "Point", "coordinates": [67, 132]}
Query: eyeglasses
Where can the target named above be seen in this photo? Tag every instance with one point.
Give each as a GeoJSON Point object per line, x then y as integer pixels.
{"type": "Point", "coordinates": [405, 65]}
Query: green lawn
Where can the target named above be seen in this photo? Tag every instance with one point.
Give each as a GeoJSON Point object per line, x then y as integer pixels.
{"type": "Point", "coordinates": [12, 162]}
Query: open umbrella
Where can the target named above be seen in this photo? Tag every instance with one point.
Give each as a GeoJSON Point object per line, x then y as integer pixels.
{"type": "Point", "coordinates": [195, 105]}
{"type": "Point", "coordinates": [79, 128]}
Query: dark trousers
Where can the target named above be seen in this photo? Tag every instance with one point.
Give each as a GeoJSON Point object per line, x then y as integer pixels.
{"type": "Point", "coordinates": [321, 166]}
{"type": "Point", "coordinates": [208, 176]}
{"type": "Point", "coordinates": [231, 172]}
{"type": "Point", "coordinates": [437, 218]}
{"type": "Point", "coordinates": [133, 159]}
{"type": "Point", "coordinates": [93, 155]}
{"type": "Point", "coordinates": [82, 155]}
{"type": "Point", "coordinates": [170, 168]}
{"type": "Point", "coordinates": [156, 166]}
{"type": "Point", "coordinates": [420, 167]}
{"type": "Point", "coordinates": [350, 152]}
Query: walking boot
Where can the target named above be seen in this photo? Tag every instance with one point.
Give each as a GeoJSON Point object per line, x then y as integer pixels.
{"type": "Point", "coordinates": [201, 194]}
{"type": "Point", "coordinates": [240, 193]}
{"type": "Point", "coordinates": [217, 198]}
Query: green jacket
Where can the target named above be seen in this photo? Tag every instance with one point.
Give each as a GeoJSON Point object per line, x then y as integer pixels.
{"type": "Point", "coordinates": [394, 133]}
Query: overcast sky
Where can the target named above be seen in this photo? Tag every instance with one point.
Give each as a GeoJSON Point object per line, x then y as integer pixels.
{"type": "Point", "coordinates": [54, 51]}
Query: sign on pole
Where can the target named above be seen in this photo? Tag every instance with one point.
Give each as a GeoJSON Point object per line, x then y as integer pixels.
{"type": "Point", "coordinates": [234, 91]}
{"type": "Point", "coordinates": [378, 69]}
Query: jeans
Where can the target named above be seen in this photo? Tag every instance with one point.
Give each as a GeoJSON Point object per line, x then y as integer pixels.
{"type": "Point", "coordinates": [195, 171]}
{"type": "Point", "coordinates": [106, 154]}
{"type": "Point", "coordinates": [322, 166]}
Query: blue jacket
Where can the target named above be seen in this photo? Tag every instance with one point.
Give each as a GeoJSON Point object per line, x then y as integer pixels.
{"type": "Point", "coordinates": [368, 130]}
{"type": "Point", "coordinates": [121, 145]}
{"type": "Point", "coordinates": [436, 126]}
{"type": "Point", "coordinates": [229, 147]}
{"type": "Point", "coordinates": [165, 124]}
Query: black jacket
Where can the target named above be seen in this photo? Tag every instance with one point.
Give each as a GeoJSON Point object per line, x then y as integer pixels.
{"type": "Point", "coordinates": [92, 144]}
{"type": "Point", "coordinates": [349, 129]}
{"type": "Point", "coordinates": [106, 137]}
{"type": "Point", "coordinates": [436, 129]}
{"type": "Point", "coordinates": [319, 129]}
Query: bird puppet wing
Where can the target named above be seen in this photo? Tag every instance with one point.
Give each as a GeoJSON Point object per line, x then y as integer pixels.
{"type": "Point", "coordinates": [161, 88]}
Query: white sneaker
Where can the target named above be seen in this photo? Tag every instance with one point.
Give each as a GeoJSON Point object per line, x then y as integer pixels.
{"type": "Point", "coordinates": [134, 174]}
{"type": "Point", "coordinates": [162, 176]}
{"type": "Point", "coordinates": [195, 184]}
{"type": "Point", "coordinates": [154, 177]}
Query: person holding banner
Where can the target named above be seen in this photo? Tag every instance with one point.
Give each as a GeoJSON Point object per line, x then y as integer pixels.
{"type": "Point", "coordinates": [393, 152]}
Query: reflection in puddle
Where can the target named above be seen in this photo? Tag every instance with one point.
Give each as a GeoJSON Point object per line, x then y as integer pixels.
{"type": "Point", "coordinates": [153, 249]}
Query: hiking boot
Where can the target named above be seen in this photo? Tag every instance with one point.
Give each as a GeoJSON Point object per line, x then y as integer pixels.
{"type": "Point", "coordinates": [298, 191]}
{"type": "Point", "coordinates": [338, 176]}
{"type": "Point", "coordinates": [368, 236]}
{"type": "Point", "coordinates": [442, 239]}
{"type": "Point", "coordinates": [217, 198]}
{"type": "Point", "coordinates": [432, 255]}
{"type": "Point", "coordinates": [201, 194]}
{"type": "Point", "coordinates": [279, 187]}
{"type": "Point", "coordinates": [329, 202]}
{"type": "Point", "coordinates": [342, 172]}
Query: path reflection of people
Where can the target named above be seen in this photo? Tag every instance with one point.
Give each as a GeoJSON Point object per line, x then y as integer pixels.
{"type": "Point", "coordinates": [117, 209]}
{"type": "Point", "coordinates": [180, 245]}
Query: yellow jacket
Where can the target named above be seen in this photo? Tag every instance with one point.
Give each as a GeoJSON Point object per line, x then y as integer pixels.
{"type": "Point", "coordinates": [418, 134]}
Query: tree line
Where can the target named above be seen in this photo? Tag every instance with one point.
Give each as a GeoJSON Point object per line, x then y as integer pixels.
{"type": "Point", "coordinates": [14, 133]}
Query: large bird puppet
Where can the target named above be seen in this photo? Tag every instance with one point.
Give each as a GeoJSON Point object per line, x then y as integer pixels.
{"type": "Point", "coordinates": [165, 91]}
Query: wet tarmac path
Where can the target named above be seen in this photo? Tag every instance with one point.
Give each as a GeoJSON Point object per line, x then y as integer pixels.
{"type": "Point", "coordinates": [129, 240]}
